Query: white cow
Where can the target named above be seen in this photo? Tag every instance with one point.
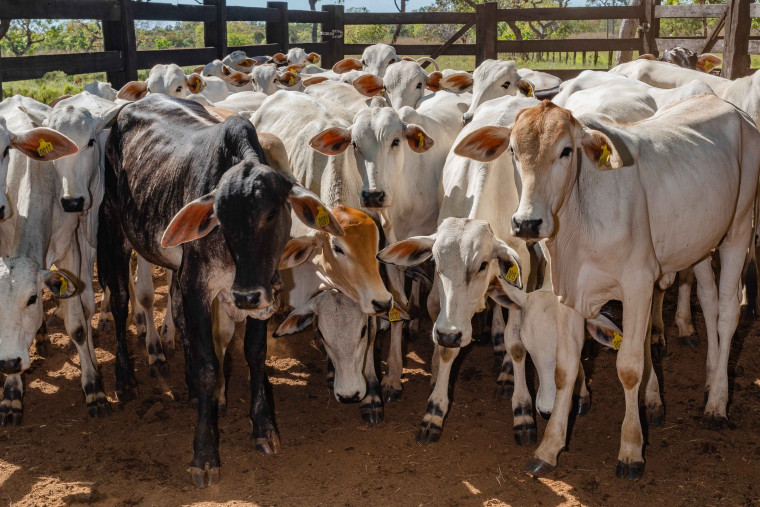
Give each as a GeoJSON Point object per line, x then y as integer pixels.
{"type": "Point", "coordinates": [404, 84]}
{"type": "Point", "coordinates": [375, 60]}
{"type": "Point", "coordinates": [101, 89]}
{"type": "Point", "coordinates": [172, 80]}
{"type": "Point", "coordinates": [617, 205]}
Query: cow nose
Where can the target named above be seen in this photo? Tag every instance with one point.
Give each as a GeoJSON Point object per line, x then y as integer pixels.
{"type": "Point", "coordinates": [354, 398]}
{"type": "Point", "coordinates": [527, 229]}
{"type": "Point", "coordinates": [11, 366]}
{"type": "Point", "coordinates": [466, 118]}
{"type": "Point", "coordinates": [2, 212]}
{"type": "Point", "coordinates": [72, 204]}
{"type": "Point", "coordinates": [449, 340]}
{"type": "Point", "coordinates": [247, 300]}
{"type": "Point", "coordinates": [373, 198]}
{"type": "Point", "coordinates": [382, 306]}
{"type": "Point", "coordinates": [545, 415]}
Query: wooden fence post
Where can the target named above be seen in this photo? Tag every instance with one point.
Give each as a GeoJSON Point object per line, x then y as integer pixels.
{"type": "Point", "coordinates": [336, 40]}
{"type": "Point", "coordinates": [215, 32]}
{"type": "Point", "coordinates": [736, 39]}
{"type": "Point", "coordinates": [277, 32]}
{"type": "Point", "coordinates": [649, 35]}
{"type": "Point", "coordinates": [120, 36]}
{"type": "Point", "coordinates": [485, 31]}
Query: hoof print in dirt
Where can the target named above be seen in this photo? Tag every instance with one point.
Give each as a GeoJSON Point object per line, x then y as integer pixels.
{"type": "Point", "coordinates": [525, 434]}
{"type": "Point", "coordinates": [691, 341]}
{"type": "Point", "coordinates": [538, 467]}
{"type": "Point", "coordinates": [655, 415]}
{"type": "Point", "coordinates": [629, 470]}
{"type": "Point", "coordinates": [715, 422]}
{"type": "Point", "coordinates": [204, 478]}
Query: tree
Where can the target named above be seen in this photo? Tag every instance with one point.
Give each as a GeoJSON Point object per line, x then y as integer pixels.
{"type": "Point", "coordinates": [400, 8]}
{"type": "Point", "coordinates": [22, 34]}
{"type": "Point", "coordinates": [627, 31]}
{"type": "Point", "coordinates": [313, 7]}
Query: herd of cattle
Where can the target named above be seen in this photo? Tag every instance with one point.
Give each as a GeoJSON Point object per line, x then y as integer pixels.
{"type": "Point", "coordinates": [262, 183]}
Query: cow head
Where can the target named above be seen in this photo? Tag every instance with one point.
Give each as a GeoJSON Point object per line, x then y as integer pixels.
{"type": "Point", "coordinates": [375, 60]}
{"type": "Point", "coordinates": [377, 138]}
{"type": "Point", "coordinates": [347, 263]}
{"type": "Point", "coordinates": [467, 257]}
{"type": "Point", "coordinates": [543, 142]}
{"type": "Point", "coordinates": [21, 284]}
{"type": "Point", "coordinates": [297, 56]}
{"type": "Point", "coordinates": [38, 143]}
{"type": "Point", "coordinates": [404, 84]}
{"type": "Point", "coordinates": [251, 207]}
{"type": "Point", "coordinates": [166, 79]}
{"type": "Point", "coordinates": [267, 79]}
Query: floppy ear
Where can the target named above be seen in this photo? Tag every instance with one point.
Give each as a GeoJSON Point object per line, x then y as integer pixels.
{"type": "Point", "coordinates": [199, 69]}
{"type": "Point", "coordinates": [238, 78]}
{"type": "Point", "coordinates": [600, 149]}
{"type": "Point", "coordinates": [314, 80]}
{"type": "Point", "coordinates": [59, 283]}
{"type": "Point", "coordinates": [313, 212]}
{"type": "Point", "coordinates": [289, 78]}
{"type": "Point", "coordinates": [368, 85]}
{"type": "Point", "coordinates": [484, 144]}
{"type": "Point", "coordinates": [296, 68]}
{"type": "Point", "coordinates": [193, 221]}
{"type": "Point", "coordinates": [525, 87]}
{"type": "Point", "coordinates": [417, 138]}
{"type": "Point", "coordinates": [299, 319]}
{"type": "Point", "coordinates": [509, 263]}
{"type": "Point", "coordinates": [275, 152]}
{"type": "Point", "coordinates": [507, 296]}
{"type": "Point", "coordinates": [346, 65]}
{"type": "Point", "coordinates": [195, 83]}
{"type": "Point", "coordinates": [708, 62]}
{"type": "Point", "coordinates": [313, 58]}
{"type": "Point", "coordinates": [604, 331]}
{"type": "Point", "coordinates": [35, 116]}
{"type": "Point", "coordinates": [297, 250]}
{"type": "Point", "coordinates": [280, 59]}
{"type": "Point", "coordinates": [396, 313]}
{"type": "Point", "coordinates": [245, 62]}
{"type": "Point", "coordinates": [460, 82]}
{"type": "Point", "coordinates": [409, 252]}
{"type": "Point", "coordinates": [433, 81]}
{"type": "Point", "coordinates": [332, 141]}
{"type": "Point", "coordinates": [132, 91]}
{"type": "Point", "coordinates": [107, 119]}
{"type": "Point", "coordinates": [43, 144]}
{"type": "Point", "coordinates": [647, 56]}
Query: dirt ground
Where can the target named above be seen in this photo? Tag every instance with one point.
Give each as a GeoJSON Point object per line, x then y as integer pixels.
{"type": "Point", "coordinates": [139, 455]}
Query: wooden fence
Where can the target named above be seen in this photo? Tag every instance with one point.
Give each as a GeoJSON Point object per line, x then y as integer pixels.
{"type": "Point", "coordinates": [121, 60]}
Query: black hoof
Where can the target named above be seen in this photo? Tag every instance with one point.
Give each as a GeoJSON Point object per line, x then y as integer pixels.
{"type": "Point", "coordinates": [391, 394]}
{"type": "Point", "coordinates": [629, 470]}
{"type": "Point", "coordinates": [99, 408]}
{"type": "Point", "coordinates": [43, 347]}
{"type": "Point", "coordinates": [525, 434]}
{"type": "Point", "coordinates": [656, 415]}
{"type": "Point", "coordinates": [689, 341]}
{"type": "Point", "coordinates": [583, 405]}
{"type": "Point", "coordinates": [126, 394]}
{"type": "Point", "coordinates": [270, 444]}
{"type": "Point", "coordinates": [545, 415]}
{"type": "Point", "coordinates": [428, 433]}
{"type": "Point", "coordinates": [504, 389]}
{"type": "Point", "coordinates": [159, 368]}
{"type": "Point", "coordinates": [11, 417]}
{"type": "Point", "coordinates": [372, 412]}
{"type": "Point", "coordinates": [201, 479]}
{"type": "Point", "coordinates": [714, 422]}
{"type": "Point", "coordinates": [538, 467]}
{"type": "Point", "coordinates": [659, 351]}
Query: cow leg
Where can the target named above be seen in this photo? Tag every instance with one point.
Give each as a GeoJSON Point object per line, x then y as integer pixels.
{"type": "Point", "coordinates": [167, 329]}
{"type": "Point", "coordinates": [141, 286]}
{"type": "Point", "coordinates": [570, 335]}
{"type": "Point", "coordinates": [391, 383]}
{"type": "Point", "coordinates": [265, 431]}
{"type": "Point", "coordinates": [11, 408]}
{"type": "Point", "coordinates": [655, 410]}
{"type": "Point", "coordinates": [414, 305]}
{"type": "Point", "coordinates": [372, 404]}
{"type": "Point", "coordinates": [224, 330]}
{"type": "Point", "coordinates": [178, 316]}
{"type": "Point", "coordinates": [522, 405]}
{"type": "Point", "coordinates": [438, 402]}
{"type": "Point", "coordinates": [41, 340]}
{"type": "Point", "coordinates": [581, 392]}
{"type": "Point", "coordinates": [497, 335]}
{"type": "Point", "coordinates": [105, 319]}
{"type": "Point", "coordinates": [659, 345]}
{"type": "Point", "coordinates": [505, 383]}
{"type": "Point", "coordinates": [686, 333]}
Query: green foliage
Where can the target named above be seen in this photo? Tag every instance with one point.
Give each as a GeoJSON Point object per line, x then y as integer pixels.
{"type": "Point", "coordinates": [244, 33]}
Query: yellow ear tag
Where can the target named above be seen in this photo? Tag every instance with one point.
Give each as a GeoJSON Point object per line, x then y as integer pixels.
{"type": "Point", "coordinates": [617, 340]}
{"type": "Point", "coordinates": [382, 92]}
{"type": "Point", "coordinates": [604, 159]}
{"type": "Point", "coordinates": [45, 148]}
{"type": "Point", "coordinates": [322, 217]}
{"type": "Point", "coordinates": [421, 141]}
{"type": "Point", "coordinates": [512, 274]}
{"type": "Point", "coordinates": [64, 287]}
{"type": "Point", "coordinates": [530, 91]}
{"type": "Point", "coordinates": [292, 81]}
{"type": "Point", "coordinates": [708, 65]}
{"type": "Point", "coordinates": [394, 315]}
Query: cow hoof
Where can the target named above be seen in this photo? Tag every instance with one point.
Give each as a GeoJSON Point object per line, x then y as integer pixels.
{"type": "Point", "coordinates": [12, 417]}
{"type": "Point", "coordinates": [538, 467]}
{"type": "Point", "coordinates": [545, 415]}
{"type": "Point", "coordinates": [201, 479]}
{"type": "Point", "coordinates": [221, 408]}
{"type": "Point", "coordinates": [105, 325]}
{"type": "Point", "coordinates": [525, 434]}
{"type": "Point", "coordinates": [655, 415]}
{"type": "Point", "coordinates": [269, 444]}
{"type": "Point", "coordinates": [126, 394]}
{"type": "Point", "coordinates": [659, 351]}
{"type": "Point", "coordinates": [372, 413]}
{"type": "Point", "coordinates": [691, 340]}
{"type": "Point", "coordinates": [391, 394]}
{"type": "Point", "coordinates": [99, 408]}
{"type": "Point", "coordinates": [43, 347]}
{"type": "Point", "coordinates": [714, 422]}
{"type": "Point", "coordinates": [504, 389]}
{"type": "Point", "coordinates": [159, 368]}
{"type": "Point", "coordinates": [629, 470]}
{"type": "Point", "coordinates": [428, 433]}
{"type": "Point", "coordinates": [584, 405]}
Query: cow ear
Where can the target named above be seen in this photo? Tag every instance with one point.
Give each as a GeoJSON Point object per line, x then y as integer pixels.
{"type": "Point", "coordinates": [417, 138]}
{"type": "Point", "coordinates": [600, 149]}
{"type": "Point", "coordinates": [433, 81]}
{"type": "Point", "coordinates": [195, 83]}
{"type": "Point", "coordinates": [36, 116]}
{"type": "Point", "coordinates": [647, 56]}
{"type": "Point", "coordinates": [132, 91]}
{"type": "Point", "coordinates": [299, 319]}
{"type": "Point", "coordinates": [409, 252]}
{"type": "Point", "coordinates": [297, 250]}
{"type": "Point", "coordinates": [280, 59]}
{"type": "Point", "coordinates": [238, 78]}
{"type": "Point", "coordinates": [525, 87]}
{"type": "Point", "coordinates": [507, 296]}
{"type": "Point", "coordinates": [313, 212]}
{"type": "Point", "coordinates": [484, 144]}
{"type": "Point", "coordinates": [332, 141]}
{"type": "Point", "coordinates": [53, 102]}
{"type": "Point", "coordinates": [708, 62]}
{"type": "Point", "coordinates": [604, 331]}
{"type": "Point", "coordinates": [43, 144]}
{"type": "Point", "coordinates": [275, 152]}
{"type": "Point", "coordinates": [199, 69]}
{"type": "Point", "coordinates": [107, 118]}
{"type": "Point", "coordinates": [368, 85]}
{"type": "Point", "coordinates": [313, 58]}
{"type": "Point", "coordinates": [295, 68]}
{"type": "Point", "coordinates": [193, 221]}
{"type": "Point", "coordinates": [289, 79]}
{"type": "Point", "coordinates": [346, 65]}
{"type": "Point", "coordinates": [59, 283]}
{"type": "Point", "coordinates": [314, 80]}
{"type": "Point", "coordinates": [461, 82]}
{"type": "Point", "coordinates": [509, 263]}
{"type": "Point", "coordinates": [246, 62]}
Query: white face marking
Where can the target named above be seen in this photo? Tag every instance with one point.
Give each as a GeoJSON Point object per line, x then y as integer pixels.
{"type": "Point", "coordinates": [405, 83]}
{"type": "Point", "coordinates": [493, 79]}
{"type": "Point", "coordinates": [377, 58]}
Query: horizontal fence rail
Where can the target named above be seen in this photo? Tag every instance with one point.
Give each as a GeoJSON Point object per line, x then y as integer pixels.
{"type": "Point", "coordinates": [121, 60]}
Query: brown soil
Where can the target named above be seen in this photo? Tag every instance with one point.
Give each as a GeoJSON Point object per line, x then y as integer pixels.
{"type": "Point", "coordinates": [139, 455]}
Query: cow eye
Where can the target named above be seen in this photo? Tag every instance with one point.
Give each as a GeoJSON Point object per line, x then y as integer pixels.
{"type": "Point", "coordinates": [506, 84]}
{"type": "Point", "coordinates": [7, 150]}
{"type": "Point", "coordinates": [337, 249]}
{"type": "Point", "coordinates": [91, 143]}
{"type": "Point", "coordinates": [395, 142]}
{"type": "Point", "coordinates": [179, 88]}
{"type": "Point", "coordinates": [364, 63]}
{"type": "Point", "coordinates": [419, 85]}
{"type": "Point", "coordinates": [353, 143]}
{"type": "Point", "coordinates": [566, 151]}
{"type": "Point", "coordinates": [483, 266]}
{"type": "Point", "coordinates": [392, 61]}
{"type": "Point", "coordinates": [32, 300]}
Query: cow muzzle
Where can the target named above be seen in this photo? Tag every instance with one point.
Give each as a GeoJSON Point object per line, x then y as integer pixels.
{"type": "Point", "coordinates": [382, 307]}
{"type": "Point", "coordinates": [250, 299]}
{"type": "Point", "coordinates": [526, 229]}
{"type": "Point", "coordinates": [10, 366]}
{"type": "Point", "coordinates": [354, 398]}
{"type": "Point", "coordinates": [466, 118]}
{"type": "Point", "coordinates": [448, 340]}
{"type": "Point", "coordinates": [72, 204]}
{"type": "Point", "coordinates": [373, 198]}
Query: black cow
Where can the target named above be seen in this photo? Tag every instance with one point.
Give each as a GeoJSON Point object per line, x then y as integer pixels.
{"type": "Point", "coordinates": [176, 174]}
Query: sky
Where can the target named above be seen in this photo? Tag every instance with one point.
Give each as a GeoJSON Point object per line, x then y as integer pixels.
{"type": "Point", "coordinates": [372, 5]}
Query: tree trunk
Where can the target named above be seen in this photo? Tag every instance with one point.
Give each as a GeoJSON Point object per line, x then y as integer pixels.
{"type": "Point", "coordinates": [313, 6]}
{"type": "Point", "coordinates": [397, 31]}
{"type": "Point", "coordinates": [5, 24]}
{"type": "Point", "coordinates": [627, 31]}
